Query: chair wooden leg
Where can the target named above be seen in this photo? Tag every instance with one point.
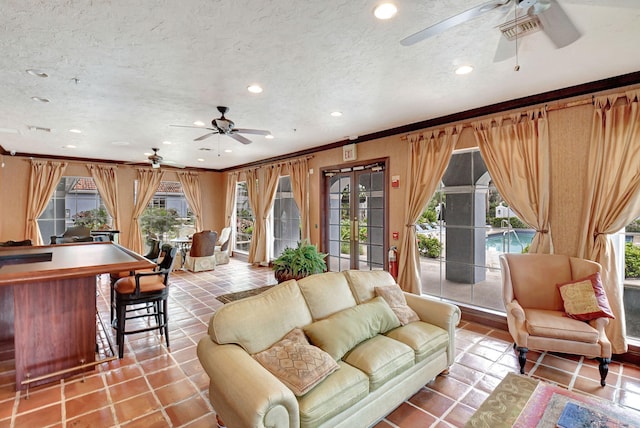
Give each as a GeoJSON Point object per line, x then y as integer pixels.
{"type": "Point", "coordinates": [165, 320]}
{"type": "Point", "coordinates": [604, 369]}
{"type": "Point", "coordinates": [121, 314]}
{"type": "Point", "coordinates": [522, 356]}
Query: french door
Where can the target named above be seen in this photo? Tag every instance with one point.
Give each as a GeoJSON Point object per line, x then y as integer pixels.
{"type": "Point", "coordinates": [355, 217]}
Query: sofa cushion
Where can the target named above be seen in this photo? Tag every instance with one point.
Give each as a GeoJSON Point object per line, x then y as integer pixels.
{"type": "Point", "coordinates": [381, 358]}
{"type": "Point", "coordinates": [425, 339]}
{"type": "Point", "coordinates": [339, 391]}
{"type": "Point", "coordinates": [585, 299]}
{"type": "Point", "coordinates": [363, 282]}
{"type": "Point", "coordinates": [394, 296]}
{"type": "Point", "coordinates": [326, 294]}
{"type": "Point", "coordinates": [342, 331]}
{"type": "Point", "coordinates": [257, 322]}
{"type": "Point", "coordinates": [296, 363]}
{"type": "Point", "coordinates": [555, 324]}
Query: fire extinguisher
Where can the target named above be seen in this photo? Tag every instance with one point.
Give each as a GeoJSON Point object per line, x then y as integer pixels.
{"type": "Point", "coordinates": [393, 262]}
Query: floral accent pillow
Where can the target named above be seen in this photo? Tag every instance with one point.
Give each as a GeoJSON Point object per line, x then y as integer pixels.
{"type": "Point", "coordinates": [296, 363]}
{"type": "Point", "coordinates": [394, 296]}
{"type": "Point", "coordinates": [585, 298]}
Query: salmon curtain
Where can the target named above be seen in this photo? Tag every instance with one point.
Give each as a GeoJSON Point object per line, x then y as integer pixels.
{"type": "Point", "coordinates": [612, 198]}
{"type": "Point", "coordinates": [43, 179]}
{"type": "Point", "coordinates": [515, 149]}
{"type": "Point", "coordinates": [148, 182]}
{"type": "Point", "coordinates": [428, 159]}
{"type": "Point", "coordinates": [299, 174]}
{"type": "Point", "coordinates": [106, 180]}
{"type": "Point", "coordinates": [230, 206]}
{"type": "Point", "coordinates": [262, 184]}
{"type": "Point", "coordinates": [190, 182]}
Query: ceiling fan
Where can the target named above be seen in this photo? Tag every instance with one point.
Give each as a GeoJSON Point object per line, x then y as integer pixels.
{"type": "Point", "coordinates": [224, 126]}
{"type": "Point", "coordinates": [156, 160]}
{"type": "Point", "coordinates": [531, 15]}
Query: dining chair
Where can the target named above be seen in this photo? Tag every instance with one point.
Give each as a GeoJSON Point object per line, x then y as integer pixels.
{"type": "Point", "coordinates": [143, 295]}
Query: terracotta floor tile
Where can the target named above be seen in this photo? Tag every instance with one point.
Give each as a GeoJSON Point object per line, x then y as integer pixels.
{"type": "Point", "coordinates": [188, 410]}
{"type": "Point", "coordinates": [592, 387]}
{"type": "Point", "coordinates": [485, 352]}
{"type": "Point", "coordinates": [185, 354]}
{"type": "Point", "coordinates": [554, 375]}
{"type": "Point", "coordinates": [85, 403]}
{"type": "Point", "coordinates": [135, 407]}
{"type": "Point", "coordinates": [41, 417]}
{"type": "Point", "coordinates": [407, 416]}
{"type": "Point", "coordinates": [125, 390]}
{"type": "Point", "coordinates": [176, 392]}
{"type": "Point", "coordinates": [459, 415]}
{"type": "Point", "coordinates": [98, 418]}
{"type": "Point", "coordinates": [78, 386]}
{"type": "Point", "coordinates": [158, 363]}
{"type": "Point", "coordinates": [152, 420]}
{"type": "Point", "coordinates": [123, 374]}
{"type": "Point", "coordinates": [559, 363]}
{"type": "Point", "coordinates": [166, 377]}
{"type": "Point", "coordinates": [207, 421]}
{"type": "Point", "coordinates": [474, 398]}
{"type": "Point", "coordinates": [41, 398]}
{"type": "Point", "coordinates": [630, 384]}
{"type": "Point", "coordinates": [476, 363]}
{"type": "Point", "coordinates": [383, 424]}
{"type": "Point", "coordinates": [431, 401]}
{"type": "Point", "coordinates": [630, 399]}
{"type": "Point", "coordinates": [449, 387]}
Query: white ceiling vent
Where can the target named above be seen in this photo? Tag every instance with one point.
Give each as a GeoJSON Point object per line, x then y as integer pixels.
{"type": "Point", "coordinates": [38, 129]}
{"type": "Point", "coordinates": [521, 27]}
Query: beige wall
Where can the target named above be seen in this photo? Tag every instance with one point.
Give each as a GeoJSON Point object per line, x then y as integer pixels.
{"type": "Point", "coordinates": [569, 135]}
{"type": "Point", "coordinates": [14, 182]}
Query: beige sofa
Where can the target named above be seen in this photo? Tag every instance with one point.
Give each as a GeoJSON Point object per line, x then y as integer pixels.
{"type": "Point", "coordinates": [373, 377]}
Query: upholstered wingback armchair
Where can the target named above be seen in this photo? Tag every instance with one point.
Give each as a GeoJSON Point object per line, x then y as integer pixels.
{"type": "Point", "coordinates": [222, 249]}
{"type": "Point", "coordinates": [201, 257]}
{"type": "Point", "coordinates": [73, 234]}
{"type": "Point", "coordinates": [536, 312]}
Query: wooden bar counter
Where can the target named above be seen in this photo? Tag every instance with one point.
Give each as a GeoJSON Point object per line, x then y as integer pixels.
{"type": "Point", "coordinates": [48, 303]}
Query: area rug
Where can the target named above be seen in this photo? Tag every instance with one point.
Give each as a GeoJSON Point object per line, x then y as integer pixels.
{"type": "Point", "coordinates": [232, 297]}
{"type": "Point", "coordinates": [519, 401]}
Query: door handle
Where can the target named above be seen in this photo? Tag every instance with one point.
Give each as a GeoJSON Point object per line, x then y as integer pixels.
{"type": "Point", "coordinates": [356, 234]}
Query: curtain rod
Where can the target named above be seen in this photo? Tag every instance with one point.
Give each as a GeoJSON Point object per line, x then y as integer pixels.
{"type": "Point", "coordinates": [283, 162]}
{"type": "Point", "coordinates": [547, 107]}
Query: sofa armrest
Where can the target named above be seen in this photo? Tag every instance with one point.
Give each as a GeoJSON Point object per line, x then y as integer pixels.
{"type": "Point", "coordinates": [242, 392]}
{"type": "Point", "coordinates": [441, 314]}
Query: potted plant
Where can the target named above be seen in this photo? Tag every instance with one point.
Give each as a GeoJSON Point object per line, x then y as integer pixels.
{"type": "Point", "coordinates": [296, 263]}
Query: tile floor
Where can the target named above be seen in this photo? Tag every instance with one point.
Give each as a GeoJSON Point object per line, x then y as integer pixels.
{"type": "Point", "coordinates": [153, 387]}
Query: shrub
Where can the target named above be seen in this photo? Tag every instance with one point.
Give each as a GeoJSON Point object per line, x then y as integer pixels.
{"type": "Point", "coordinates": [429, 246]}
{"type": "Point", "coordinates": [516, 223]}
{"type": "Point", "coordinates": [631, 261]}
{"type": "Point", "coordinates": [94, 219]}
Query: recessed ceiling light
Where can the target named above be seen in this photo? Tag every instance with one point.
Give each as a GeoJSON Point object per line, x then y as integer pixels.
{"type": "Point", "coordinates": [37, 73]}
{"type": "Point", "coordinates": [42, 100]}
{"type": "Point", "coordinates": [228, 150]}
{"type": "Point", "coordinates": [255, 89]}
{"type": "Point", "coordinates": [120, 143]}
{"type": "Point", "coordinates": [166, 142]}
{"type": "Point", "coordinates": [385, 11]}
{"type": "Point", "coordinates": [336, 113]}
{"type": "Point", "coordinates": [269, 137]}
{"type": "Point", "coordinates": [200, 160]}
{"type": "Point", "coordinates": [75, 131]}
{"type": "Point", "coordinates": [465, 69]}
{"type": "Point", "coordinates": [198, 123]}
{"type": "Point", "coordinates": [69, 146]}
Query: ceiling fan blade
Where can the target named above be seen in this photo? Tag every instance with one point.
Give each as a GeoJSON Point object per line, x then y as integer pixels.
{"type": "Point", "coordinates": [172, 163]}
{"type": "Point", "coordinates": [191, 126]}
{"type": "Point", "coordinates": [453, 21]}
{"type": "Point", "coordinates": [205, 136]}
{"type": "Point", "coordinates": [506, 49]}
{"type": "Point", "coordinates": [239, 138]}
{"type": "Point", "coordinates": [557, 25]}
{"type": "Point", "coordinates": [251, 131]}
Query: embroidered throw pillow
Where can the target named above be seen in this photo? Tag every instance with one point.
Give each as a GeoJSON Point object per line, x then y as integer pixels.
{"type": "Point", "coordinates": [585, 299]}
{"type": "Point", "coordinates": [296, 363]}
{"type": "Point", "coordinates": [394, 296]}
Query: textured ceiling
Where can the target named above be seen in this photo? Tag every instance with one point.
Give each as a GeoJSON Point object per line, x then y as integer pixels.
{"type": "Point", "coordinates": [123, 71]}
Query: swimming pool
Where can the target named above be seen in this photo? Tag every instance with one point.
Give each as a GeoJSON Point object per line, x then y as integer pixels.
{"type": "Point", "coordinates": [513, 242]}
